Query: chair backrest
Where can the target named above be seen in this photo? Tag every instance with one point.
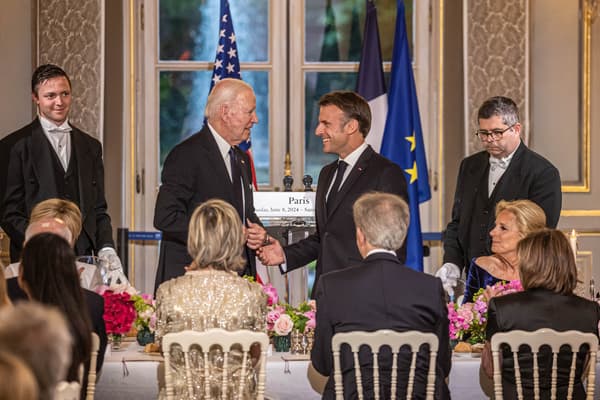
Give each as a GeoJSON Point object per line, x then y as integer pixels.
{"type": "Point", "coordinates": [91, 384]}
{"type": "Point", "coordinates": [553, 340]}
{"type": "Point", "coordinates": [395, 340]}
{"type": "Point", "coordinates": [67, 391]}
{"type": "Point", "coordinates": [207, 340]}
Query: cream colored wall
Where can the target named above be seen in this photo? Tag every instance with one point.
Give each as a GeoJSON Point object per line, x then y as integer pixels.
{"type": "Point", "coordinates": [16, 66]}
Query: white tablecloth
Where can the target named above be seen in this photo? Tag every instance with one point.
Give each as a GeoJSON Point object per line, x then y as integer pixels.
{"type": "Point", "coordinates": [133, 380]}
{"type": "Point", "coordinates": [136, 377]}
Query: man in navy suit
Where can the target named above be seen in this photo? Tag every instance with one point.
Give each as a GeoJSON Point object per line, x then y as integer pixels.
{"type": "Point", "coordinates": [380, 293]}
{"type": "Point", "coordinates": [505, 170]}
{"type": "Point", "coordinates": [208, 165]}
{"type": "Point", "coordinates": [51, 158]}
{"type": "Point", "coordinates": [344, 122]}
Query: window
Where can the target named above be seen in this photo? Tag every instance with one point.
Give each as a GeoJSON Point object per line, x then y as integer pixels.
{"type": "Point", "coordinates": [289, 72]}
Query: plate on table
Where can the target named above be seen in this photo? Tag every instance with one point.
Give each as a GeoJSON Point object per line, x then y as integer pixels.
{"type": "Point", "coordinates": [466, 355]}
{"type": "Point", "coordinates": [295, 357]}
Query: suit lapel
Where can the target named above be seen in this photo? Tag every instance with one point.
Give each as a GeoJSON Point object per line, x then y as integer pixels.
{"type": "Point", "coordinates": [322, 188]}
{"type": "Point", "coordinates": [512, 173]}
{"type": "Point", "coordinates": [42, 160]}
{"type": "Point", "coordinates": [85, 171]}
{"type": "Point", "coordinates": [216, 162]}
{"type": "Point", "coordinates": [357, 171]}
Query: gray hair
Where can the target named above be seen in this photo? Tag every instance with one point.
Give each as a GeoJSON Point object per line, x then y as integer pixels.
{"type": "Point", "coordinates": [383, 218]}
{"type": "Point", "coordinates": [38, 335]}
{"type": "Point", "coordinates": [225, 91]}
{"type": "Point", "coordinates": [501, 106]}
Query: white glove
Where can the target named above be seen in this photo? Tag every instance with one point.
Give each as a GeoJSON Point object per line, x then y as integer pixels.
{"type": "Point", "coordinates": [114, 275]}
{"type": "Point", "coordinates": [449, 274]}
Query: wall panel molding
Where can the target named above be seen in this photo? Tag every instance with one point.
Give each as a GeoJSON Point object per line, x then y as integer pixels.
{"type": "Point", "coordinates": [70, 33]}
{"type": "Point", "coordinates": [496, 59]}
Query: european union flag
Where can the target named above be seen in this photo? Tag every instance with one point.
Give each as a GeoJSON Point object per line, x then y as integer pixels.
{"type": "Point", "coordinates": [227, 65]}
{"type": "Point", "coordinates": [403, 138]}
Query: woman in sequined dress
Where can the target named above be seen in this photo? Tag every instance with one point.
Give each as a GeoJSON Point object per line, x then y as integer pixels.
{"type": "Point", "coordinates": [514, 220]}
{"type": "Point", "coordinates": [212, 295]}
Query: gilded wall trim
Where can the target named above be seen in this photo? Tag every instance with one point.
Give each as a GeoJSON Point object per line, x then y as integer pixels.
{"type": "Point", "coordinates": [589, 13]}
{"type": "Point", "coordinates": [70, 33]}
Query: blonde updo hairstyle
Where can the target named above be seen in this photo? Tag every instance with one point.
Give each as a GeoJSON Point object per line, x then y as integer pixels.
{"type": "Point", "coordinates": [529, 216]}
{"type": "Point", "coordinates": [216, 238]}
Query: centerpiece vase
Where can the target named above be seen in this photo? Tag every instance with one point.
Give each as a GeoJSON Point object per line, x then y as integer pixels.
{"type": "Point", "coordinates": [116, 340]}
{"type": "Point", "coordinates": [282, 343]}
{"type": "Point", "coordinates": [144, 337]}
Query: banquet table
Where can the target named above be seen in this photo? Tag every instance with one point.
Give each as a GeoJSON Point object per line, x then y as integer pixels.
{"type": "Point", "coordinates": [132, 375]}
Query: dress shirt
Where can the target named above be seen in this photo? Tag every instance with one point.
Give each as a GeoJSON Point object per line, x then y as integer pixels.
{"type": "Point", "coordinates": [223, 148]}
{"type": "Point", "coordinates": [379, 250]}
{"type": "Point", "coordinates": [497, 168]}
{"type": "Point", "coordinates": [351, 160]}
{"type": "Point", "coordinates": [60, 139]}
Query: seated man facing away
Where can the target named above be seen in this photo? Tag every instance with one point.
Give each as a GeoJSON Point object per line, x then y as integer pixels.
{"type": "Point", "coordinates": [380, 293]}
{"type": "Point", "coordinates": [39, 336]}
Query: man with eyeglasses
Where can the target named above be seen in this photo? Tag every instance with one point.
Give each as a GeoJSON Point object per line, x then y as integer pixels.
{"type": "Point", "coordinates": [505, 170]}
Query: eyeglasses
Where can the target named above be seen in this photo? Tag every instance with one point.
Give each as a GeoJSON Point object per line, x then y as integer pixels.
{"type": "Point", "coordinates": [495, 134]}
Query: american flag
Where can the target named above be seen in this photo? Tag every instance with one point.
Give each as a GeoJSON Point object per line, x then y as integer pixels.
{"type": "Point", "coordinates": [227, 65]}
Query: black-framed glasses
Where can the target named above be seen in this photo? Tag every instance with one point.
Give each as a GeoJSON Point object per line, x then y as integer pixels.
{"type": "Point", "coordinates": [494, 134]}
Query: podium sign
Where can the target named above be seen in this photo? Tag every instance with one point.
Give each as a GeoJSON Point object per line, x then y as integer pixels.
{"type": "Point", "coordinates": [286, 206]}
{"type": "Point", "coordinates": [289, 217]}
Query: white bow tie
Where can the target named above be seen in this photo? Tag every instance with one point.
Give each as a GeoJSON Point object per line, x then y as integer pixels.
{"type": "Point", "coordinates": [498, 163]}
{"type": "Point", "coordinates": [60, 129]}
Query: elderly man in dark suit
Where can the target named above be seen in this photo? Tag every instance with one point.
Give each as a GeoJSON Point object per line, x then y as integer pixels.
{"type": "Point", "coordinates": [380, 293]}
{"type": "Point", "coordinates": [505, 170]}
{"type": "Point", "coordinates": [207, 165]}
{"type": "Point", "coordinates": [344, 122]}
{"type": "Point", "coordinates": [51, 158]}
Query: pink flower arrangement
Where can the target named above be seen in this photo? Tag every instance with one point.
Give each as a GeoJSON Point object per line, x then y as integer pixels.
{"type": "Point", "coordinates": [283, 318]}
{"type": "Point", "coordinates": [119, 312]}
{"type": "Point", "coordinates": [271, 292]}
{"type": "Point", "coordinates": [468, 321]}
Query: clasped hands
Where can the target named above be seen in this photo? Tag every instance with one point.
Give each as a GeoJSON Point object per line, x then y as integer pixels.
{"type": "Point", "coordinates": [268, 250]}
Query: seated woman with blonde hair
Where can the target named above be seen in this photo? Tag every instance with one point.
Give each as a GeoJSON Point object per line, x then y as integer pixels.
{"type": "Point", "coordinates": [514, 220]}
{"type": "Point", "coordinates": [549, 276]}
{"type": "Point", "coordinates": [212, 295]}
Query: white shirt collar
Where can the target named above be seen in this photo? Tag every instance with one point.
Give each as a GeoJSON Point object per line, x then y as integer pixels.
{"type": "Point", "coordinates": [504, 161]}
{"type": "Point", "coordinates": [380, 251]}
{"type": "Point", "coordinates": [47, 124]}
{"type": "Point", "coordinates": [353, 157]}
{"type": "Point", "coordinates": [221, 143]}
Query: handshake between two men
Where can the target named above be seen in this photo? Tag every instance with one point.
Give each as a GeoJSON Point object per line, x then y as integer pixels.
{"type": "Point", "coordinates": [268, 250]}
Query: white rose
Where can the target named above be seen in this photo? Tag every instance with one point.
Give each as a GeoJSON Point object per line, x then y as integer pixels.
{"type": "Point", "coordinates": [284, 325]}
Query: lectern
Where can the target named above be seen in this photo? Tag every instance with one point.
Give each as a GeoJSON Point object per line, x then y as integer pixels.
{"type": "Point", "coordinates": [288, 217]}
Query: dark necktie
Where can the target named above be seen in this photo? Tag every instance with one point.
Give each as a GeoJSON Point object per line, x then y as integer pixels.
{"type": "Point", "coordinates": [341, 168]}
{"type": "Point", "coordinates": [236, 179]}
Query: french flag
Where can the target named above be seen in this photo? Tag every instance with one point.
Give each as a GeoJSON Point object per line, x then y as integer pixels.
{"type": "Point", "coordinates": [371, 82]}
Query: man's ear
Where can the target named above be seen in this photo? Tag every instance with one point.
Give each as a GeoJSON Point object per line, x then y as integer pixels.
{"type": "Point", "coordinates": [360, 236]}
{"type": "Point", "coordinates": [35, 98]}
{"type": "Point", "coordinates": [351, 126]}
{"type": "Point", "coordinates": [517, 128]}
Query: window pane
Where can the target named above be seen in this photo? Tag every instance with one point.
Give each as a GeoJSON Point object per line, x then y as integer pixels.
{"type": "Point", "coordinates": [338, 37]}
{"type": "Point", "coordinates": [189, 29]}
{"type": "Point", "coordinates": [182, 100]}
